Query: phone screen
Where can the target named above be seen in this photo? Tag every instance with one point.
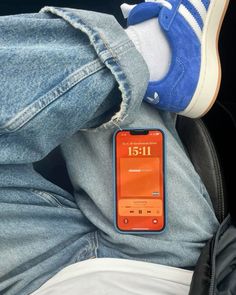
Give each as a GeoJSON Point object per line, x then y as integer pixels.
{"type": "Point", "coordinates": [139, 180]}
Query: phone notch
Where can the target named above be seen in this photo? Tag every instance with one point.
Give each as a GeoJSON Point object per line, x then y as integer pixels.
{"type": "Point", "coordinates": [139, 132]}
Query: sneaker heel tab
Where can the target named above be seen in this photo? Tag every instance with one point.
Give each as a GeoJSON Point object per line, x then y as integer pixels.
{"type": "Point", "coordinates": [167, 16]}
{"type": "Point", "coordinates": [143, 11]}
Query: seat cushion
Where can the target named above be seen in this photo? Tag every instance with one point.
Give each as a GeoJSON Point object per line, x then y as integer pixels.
{"type": "Point", "coordinates": [202, 153]}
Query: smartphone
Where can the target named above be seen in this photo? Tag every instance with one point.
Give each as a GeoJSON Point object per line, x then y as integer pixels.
{"type": "Point", "coordinates": [139, 184]}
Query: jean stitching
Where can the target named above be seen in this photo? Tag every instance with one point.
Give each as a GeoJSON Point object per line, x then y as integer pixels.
{"type": "Point", "coordinates": [121, 78]}
{"type": "Point", "coordinates": [47, 197]}
{"type": "Point", "coordinates": [102, 48]}
{"type": "Point", "coordinates": [82, 253]}
{"type": "Point", "coordinates": [113, 51]}
{"type": "Point", "coordinates": [94, 36]}
{"type": "Point", "coordinates": [96, 243]}
{"type": "Point", "coordinates": [29, 112]}
{"type": "Point", "coordinates": [123, 48]}
{"type": "Point", "coordinates": [91, 248]}
{"type": "Point", "coordinates": [77, 23]}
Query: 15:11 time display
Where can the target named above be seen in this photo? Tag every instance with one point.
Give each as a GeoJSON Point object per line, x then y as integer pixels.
{"type": "Point", "coordinates": [135, 151]}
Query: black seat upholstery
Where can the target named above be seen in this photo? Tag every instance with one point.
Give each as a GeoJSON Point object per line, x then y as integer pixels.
{"type": "Point", "coordinates": [202, 153]}
{"type": "Point", "coordinates": [199, 147]}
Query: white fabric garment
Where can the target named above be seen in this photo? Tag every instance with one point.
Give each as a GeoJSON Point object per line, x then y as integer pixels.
{"type": "Point", "coordinates": [151, 42]}
{"type": "Point", "coordinates": [106, 276]}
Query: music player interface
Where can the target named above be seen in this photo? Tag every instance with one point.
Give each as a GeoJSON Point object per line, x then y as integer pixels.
{"type": "Point", "coordinates": [139, 170]}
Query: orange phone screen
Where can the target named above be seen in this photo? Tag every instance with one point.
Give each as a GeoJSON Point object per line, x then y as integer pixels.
{"type": "Point", "coordinates": [139, 180]}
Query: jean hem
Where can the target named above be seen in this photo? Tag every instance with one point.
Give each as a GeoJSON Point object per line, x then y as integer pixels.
{"type": "Point", "coordinates": [115, 55]}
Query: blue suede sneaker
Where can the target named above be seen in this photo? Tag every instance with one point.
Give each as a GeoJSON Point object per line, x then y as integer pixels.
{"type": "Point", "coordinates": [192, 29]}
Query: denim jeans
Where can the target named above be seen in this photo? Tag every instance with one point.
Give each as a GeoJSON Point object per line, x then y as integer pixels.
{"type": "Point", "coordinates": [70, 78]}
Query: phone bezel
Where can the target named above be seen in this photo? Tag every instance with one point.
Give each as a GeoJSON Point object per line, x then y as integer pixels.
{"type": "Point", "coordinates": [115, 186]}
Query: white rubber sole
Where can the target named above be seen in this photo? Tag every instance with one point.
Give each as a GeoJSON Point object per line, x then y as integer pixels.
{"type": "Point", "coordinates": [210, 71]}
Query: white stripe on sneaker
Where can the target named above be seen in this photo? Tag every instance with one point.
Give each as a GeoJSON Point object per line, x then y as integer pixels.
{"type": "Point", "coordinates": [163, 2]}
{"type": "Point", "coordinates": [187, 14]}
{"type": "Point", "coordinates": [191, 20]}
{"type": "Point", "coordinates": [200, 8]}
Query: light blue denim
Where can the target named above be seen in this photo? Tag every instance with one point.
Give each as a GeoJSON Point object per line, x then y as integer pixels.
{"type": "Point", "coordinates": [60, 70]}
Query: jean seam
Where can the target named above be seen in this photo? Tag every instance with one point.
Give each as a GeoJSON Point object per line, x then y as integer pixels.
{"type": "Point", "coordinates": [114, 51]}
{"type": "Point", "coordinates": [90, 248]}
{"type": "Point", "coordinates": [111, 53]}
{"type": "Point", "coordinates": [96, 243]}
{"type": "Point", "coordinates": [49, 198]}
{"type": "Point", "coordinates": [116, 69]}
{"type": "Point", "coordinates": [82, 254]}
{"type": "Point", "coordinates": [41, 103]}
{"type": "Point", "coordinates": [123, 48]}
